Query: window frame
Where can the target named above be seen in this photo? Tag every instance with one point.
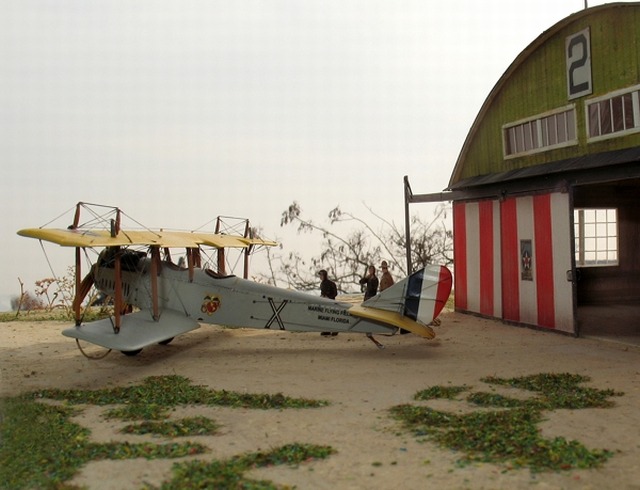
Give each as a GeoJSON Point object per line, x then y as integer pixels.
{"type": "Point", "coordinates": [541, 127]}
{"type": "Point", "coordinates": [598, 102]}
{"type": "Point", "coordinates": [595, 237]}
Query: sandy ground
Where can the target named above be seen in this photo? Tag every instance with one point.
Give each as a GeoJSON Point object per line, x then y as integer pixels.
{"type": "Point", "coordinates": [362, 383]}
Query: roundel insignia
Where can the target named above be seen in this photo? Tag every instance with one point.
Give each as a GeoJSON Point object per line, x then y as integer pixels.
{"type": "Point", "coordinates": [210, 305]}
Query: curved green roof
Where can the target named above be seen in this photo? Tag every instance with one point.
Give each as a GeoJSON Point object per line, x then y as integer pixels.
{"type": "Point", "coordinates": [536, 85]}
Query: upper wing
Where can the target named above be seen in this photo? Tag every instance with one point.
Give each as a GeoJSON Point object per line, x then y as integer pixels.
{"type": "Point", "coordinates": [172, 239]}
{"type": "Point", "coordinates": [218, 240]}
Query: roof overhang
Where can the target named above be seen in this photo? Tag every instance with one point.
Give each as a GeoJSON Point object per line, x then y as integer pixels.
{"type": "Point", "coordinates": [556, 176]}
{"type": "Point", "coordinates": [577, 165]}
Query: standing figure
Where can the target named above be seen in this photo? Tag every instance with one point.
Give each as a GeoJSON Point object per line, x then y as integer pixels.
{"type": "Point", "coordinates": [328, 289]}
{"type": "Point", "coordinates": [371, 283]}
{"type": "Point", "coordinates": [386, 280]}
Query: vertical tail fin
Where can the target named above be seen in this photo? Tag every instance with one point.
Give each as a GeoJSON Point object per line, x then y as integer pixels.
{"type": "Point", "coordinates": [421, 296]}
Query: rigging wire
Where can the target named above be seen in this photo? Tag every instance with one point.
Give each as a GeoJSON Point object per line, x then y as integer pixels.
{"type": "Point", "coordinates": [58, 217]}
{"type": "Point", "coordinates": [53, 272]}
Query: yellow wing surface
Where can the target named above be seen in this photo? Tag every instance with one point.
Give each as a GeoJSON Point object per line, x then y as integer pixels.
{"type": "Point", "coordinates": [170, 239]}
{"type": "Point", "coordinates": [392, 318]}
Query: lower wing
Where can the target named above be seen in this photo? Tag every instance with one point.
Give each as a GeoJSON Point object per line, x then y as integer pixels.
{"type": "Point", "coordinates": [137, 330]}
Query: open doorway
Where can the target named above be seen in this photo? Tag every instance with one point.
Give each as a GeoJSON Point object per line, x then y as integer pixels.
{"type": "Point", "coordinates": [607, 254]}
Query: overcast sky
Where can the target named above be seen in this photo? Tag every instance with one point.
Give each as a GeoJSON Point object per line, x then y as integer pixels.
{"type": "Point", "coordinates": [179, 111]}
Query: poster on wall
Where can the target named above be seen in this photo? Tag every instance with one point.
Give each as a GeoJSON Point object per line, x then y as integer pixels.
{"type": "Point", "coordinates": [526, 260]}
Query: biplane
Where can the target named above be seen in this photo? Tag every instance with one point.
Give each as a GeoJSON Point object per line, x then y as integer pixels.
{"type": "Point", "coordinates": [156, 298]}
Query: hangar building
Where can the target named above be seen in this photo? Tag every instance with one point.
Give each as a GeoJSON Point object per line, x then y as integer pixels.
{"type": "Point", "coordinates": [546, 189]}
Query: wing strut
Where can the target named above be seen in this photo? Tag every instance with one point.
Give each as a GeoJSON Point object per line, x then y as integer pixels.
{"type": "Point", "coordinates": [82, 289]}
{"type": "Point", "coordinates": [155, 272]}
{"type": "Point", "coordinates": [118, 291]}
{"type": "Point", "coordinates": [248, 250]}
{"type": "Point", "coordinates": [193, 261]}
{"type": "Point", "coordinates": [77, 300]}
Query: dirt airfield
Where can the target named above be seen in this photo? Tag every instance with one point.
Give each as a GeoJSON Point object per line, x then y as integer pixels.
{"type": "Point", "coordinates": [362, 383]}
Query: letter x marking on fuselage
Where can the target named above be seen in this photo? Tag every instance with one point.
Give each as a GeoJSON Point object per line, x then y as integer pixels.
{"type": "Point", "coordinates": [276, 313]}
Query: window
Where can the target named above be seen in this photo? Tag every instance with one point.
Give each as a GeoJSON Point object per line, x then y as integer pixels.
{"type": "Point", "coordinates": [596, 234]}
{"type": "Point", "coordinates": [613, 115]}
{"type": "Point", "coordinates": [541, 133]}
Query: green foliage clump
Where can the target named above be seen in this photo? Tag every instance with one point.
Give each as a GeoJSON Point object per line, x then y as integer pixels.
{"type": "Point", "coordinates": [231, 473]}
{"type": "Point", "coordinates": [56, 315]}
{"type": "Point", "coordinates": [157, 394]}
{"type": "Point", "coordinates": [423, 420]}
{"type": "Point", "coordinates": [510, 435]}
{"type": "Point", "coordinates": [40, 447]}
{"type": "Point", "coordinates": [485, 399]}
{"type": "Point", "coordinates": [190, 426]}
{"type": "Point", "coordinates": [35, 438]}
{"type": "Point", "coordinates": [448, 392]}
{"type": "Point", "coordinates": [139, 410]}
{"type": "Point", "coordinates": [561, 390]}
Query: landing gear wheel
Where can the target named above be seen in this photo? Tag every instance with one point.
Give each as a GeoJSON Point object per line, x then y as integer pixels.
{"type": "Point", "coordinates": [166, 341]}
{"type": "Point", "coordinates": [131, 353]}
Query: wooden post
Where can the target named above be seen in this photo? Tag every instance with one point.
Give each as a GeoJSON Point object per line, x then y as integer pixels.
{"type": "Point", "coordinates": [407, 222]}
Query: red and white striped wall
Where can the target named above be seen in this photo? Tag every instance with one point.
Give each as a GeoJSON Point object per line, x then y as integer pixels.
{"type": "Point", "coordinates": [490, 237]}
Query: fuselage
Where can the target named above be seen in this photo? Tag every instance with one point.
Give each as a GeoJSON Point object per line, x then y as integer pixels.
{"type": "Point", "coordinates": [229, 300]}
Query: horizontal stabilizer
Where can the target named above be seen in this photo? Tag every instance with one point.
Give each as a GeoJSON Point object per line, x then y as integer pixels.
{"type": "Point", "coordinates": [137, 330]}
{"type": "Point", "coordinates": [392, 318]}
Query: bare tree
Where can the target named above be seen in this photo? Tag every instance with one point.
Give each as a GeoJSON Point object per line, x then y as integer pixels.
{"type": "Point", "coordinates": [26, 301]}
{"type": "Point", "coordinates": [347, 255]}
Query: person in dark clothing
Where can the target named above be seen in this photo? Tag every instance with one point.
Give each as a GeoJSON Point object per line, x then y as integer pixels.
{"type": "Point", "coordinates": [371, 283]}
{"type": "Point", "coordinates": [328, 289]}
